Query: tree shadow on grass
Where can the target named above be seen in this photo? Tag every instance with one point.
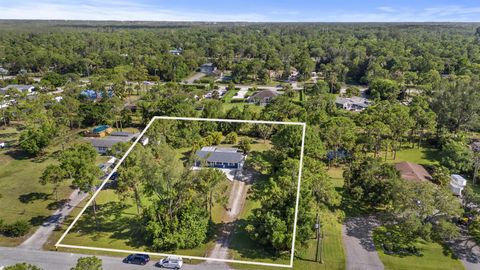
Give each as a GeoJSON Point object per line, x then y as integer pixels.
{"type": "Point", "coordinates": [37, 220]}
{"type": "Point", "coordinates": [33, 196]}
{"type": "Point", "coordinates": [112, 220]}
{"type": "Point", "coordinates": [18, 154]}
{"type": "Point", "coordinates": [57, 205]}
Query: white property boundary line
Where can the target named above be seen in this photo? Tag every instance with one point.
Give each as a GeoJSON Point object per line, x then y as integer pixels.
{"type": "Point", "coordinates": [58, 244]}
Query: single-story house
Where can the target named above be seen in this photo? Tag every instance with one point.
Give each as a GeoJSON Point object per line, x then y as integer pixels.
{"type": "Point", "coordinates": [263, 97]}
{"type": "Point", "coordinates": [102, 145]}
{"type": "Point", "coordinates": [177, 51]}
{"type": "Point", "coordinates": [413, 172]}
{"type": "Point", "coordinates": [208, 68]}
{"type": "Point", "coordinates": [25, 88]}
{"type": "Point", "coordinates": [93, 95]}
{"type": "Point", "coordinates": [219, 157]}
{"type": "Point", "coordinates": [457, 184]}
{"type": "Point", "coordinates": [354, 103]}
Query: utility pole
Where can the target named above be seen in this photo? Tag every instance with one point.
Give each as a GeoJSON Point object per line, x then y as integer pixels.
{"type": "Point", "coordinates": [317, 228]}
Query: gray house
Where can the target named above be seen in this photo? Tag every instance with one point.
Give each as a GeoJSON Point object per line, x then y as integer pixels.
{"type": "Point", "coordinates": [217, 157]}
{"type": "Point", "coordinates": [21, 87]}
{"type": "Point", "coordinates": [208, 68]}
{"type": "Point", "coordinates": [355, 104]}
{"type": "Point", "coordinates": [102, 145]}
{"type": "Point", "coordinates": [263, 97]}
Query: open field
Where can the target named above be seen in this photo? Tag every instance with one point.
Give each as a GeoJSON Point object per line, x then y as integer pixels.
{"type": "Point", "coordinates": [20, 189]}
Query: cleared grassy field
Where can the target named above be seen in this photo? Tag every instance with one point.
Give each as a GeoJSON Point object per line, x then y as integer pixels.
{"type": "Point", "coordinates": [422, 155]}
{"type": "Point", "coordinates": [22, 196]}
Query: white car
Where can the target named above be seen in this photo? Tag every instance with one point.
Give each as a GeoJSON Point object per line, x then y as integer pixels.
{"type": "Point", "coordinates": [3, 145]}
{"type": "Point", "coordinates": [172, 262]}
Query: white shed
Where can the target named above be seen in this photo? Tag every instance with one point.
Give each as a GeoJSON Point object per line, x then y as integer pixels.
{"type": "Point", "coordinates": [457, 184]}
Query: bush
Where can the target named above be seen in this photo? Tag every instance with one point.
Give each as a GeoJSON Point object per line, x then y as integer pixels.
{"type": "Point", "coordinates": [16, 229]}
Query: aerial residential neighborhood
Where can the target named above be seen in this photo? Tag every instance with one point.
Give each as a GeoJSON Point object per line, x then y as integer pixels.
{"type": "Point", "coordinates": [239, 135]}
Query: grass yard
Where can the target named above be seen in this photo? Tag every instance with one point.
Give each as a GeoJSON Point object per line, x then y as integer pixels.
{"type": "Point", "coordinates": [433, 257]}
{"type": "Point", "coordinates": [22, 196]}
{"type": "Point", "coordinates": [422, 155]}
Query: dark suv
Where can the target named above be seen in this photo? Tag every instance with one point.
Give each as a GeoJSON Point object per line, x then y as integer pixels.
{"type": "Point", "coordinates": [140, 259]}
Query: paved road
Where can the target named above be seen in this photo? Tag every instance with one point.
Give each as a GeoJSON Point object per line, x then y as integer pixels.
{"type": "Point", "coordinates": [357, 239]}
{"type": "Point", "coordinates": [467, 250]}
{"type": "Point", "coordinates": [40, 237]}
{"type": "Point", "coordinates": [194, 77]}
{"type": "Point", "coordinates": [51, 260]}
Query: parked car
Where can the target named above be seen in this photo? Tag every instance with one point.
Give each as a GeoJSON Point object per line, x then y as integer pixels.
{"type": "Point", "coordinates": [3, 145]}
{"type": "Point", "coordinates": [172, 262]}
{"type": "Point", "coordinates": [140, 259]}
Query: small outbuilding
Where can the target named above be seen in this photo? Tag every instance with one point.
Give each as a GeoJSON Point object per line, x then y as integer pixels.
{"type": "Point", "coordinates": [457, 184]}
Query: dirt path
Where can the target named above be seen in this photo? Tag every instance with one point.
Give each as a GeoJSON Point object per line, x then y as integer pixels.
{"type": "Point", "coordinates": [41, 235]}
{"type": "Point", "coordinates": [236, 202]}
{"type": "Point", "coordinates": [359, 247]}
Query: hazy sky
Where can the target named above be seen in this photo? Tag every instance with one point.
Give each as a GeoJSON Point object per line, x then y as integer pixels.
{"type": "Point", "coordinates": [245, 10]}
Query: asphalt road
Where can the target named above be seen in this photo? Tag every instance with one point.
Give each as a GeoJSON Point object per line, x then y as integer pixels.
{"type": "Point", "coordinates": [51, 260]}
{"type": "Point", "coordinates": [359, 247]}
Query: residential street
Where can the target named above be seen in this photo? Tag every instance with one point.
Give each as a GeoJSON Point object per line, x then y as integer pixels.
{"type": "Point", "coordinates": [357, 240]}
{"type": "Point", "coordinates": [467, 250]}
{"type": "Point", "coordinates": [51, 260]}
{"type": "Point", "coordinates": [40, 237]}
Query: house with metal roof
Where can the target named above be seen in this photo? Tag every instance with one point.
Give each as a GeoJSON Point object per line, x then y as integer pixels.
{"type": "Point", "coordinates": [218, 157]}
{"type": "Point", "coordinates": [25, 88]}
{"type": "Point", "coordinates": [102, 145]}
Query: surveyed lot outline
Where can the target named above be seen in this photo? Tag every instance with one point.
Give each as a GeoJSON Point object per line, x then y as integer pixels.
{"type": "Point", "coordinates": [290, 265]}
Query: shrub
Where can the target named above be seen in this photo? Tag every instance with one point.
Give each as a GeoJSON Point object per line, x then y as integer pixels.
{"type": "Point", "coordinates": [16, 229]}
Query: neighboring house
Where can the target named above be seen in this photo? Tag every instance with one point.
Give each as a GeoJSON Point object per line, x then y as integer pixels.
{"type": "Point", "coordinates": [457, 184]}
{"type": "Point", "coordinates": [413, 172]}
{"type": "Point", "coordinates": [93, 95]}
{"type": "Point", "coordinates": [25, 88]}
{"type": "Point", "coordinates": [99, 131]}
{"type": "Point", "coordinates": [355, 104]}
{"type": "Point", "coordinates": [3, 71]}
{"type": "Point", "coordinates": [218, 157]}
{"type": "Point", "coordinates": [263, 97]}
{"type": "Point", "coordinates": [177, 51]}
{"type": "Point", "coordinates": [208, 68]}
{"type": "Point", "coordinates": [102, 145]}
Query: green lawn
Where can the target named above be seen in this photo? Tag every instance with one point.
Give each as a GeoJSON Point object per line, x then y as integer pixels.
{"type": "Point", "coordinates": [422, 155]}
{"type": "Point", "coordinates": [20, 189]}
{"type": "Point", "coordinates": [433, 257]}
{"type": "Point", "coordinates": [228, 96]}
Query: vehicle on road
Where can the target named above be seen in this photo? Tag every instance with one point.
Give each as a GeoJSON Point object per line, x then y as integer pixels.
{"type": "Point", "coordinates": [172, 262]}
{"type": "Point", "coordinates": [140, 259]}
